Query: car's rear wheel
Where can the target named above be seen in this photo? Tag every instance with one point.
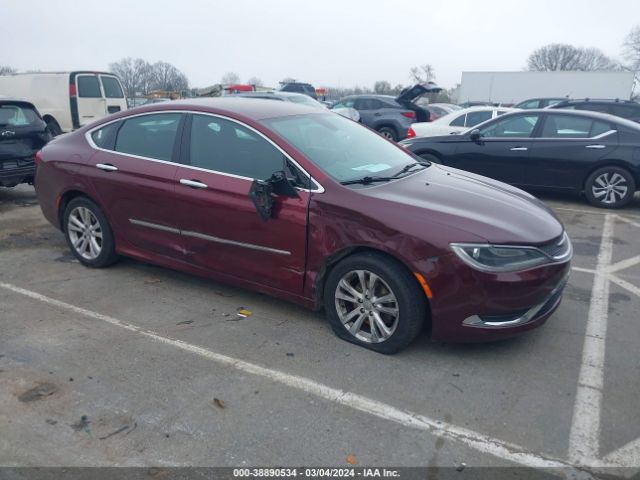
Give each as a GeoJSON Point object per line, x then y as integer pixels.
{"type": "Point", "coordinates": [389, 133]}
{"type": "Point", "coordinates": [89, 234]}
{"type": "Point", "coordinates": [610, 187]}
{"type": "Point", "coordinates": [375, 302]}
{"type": "Point", "coordinates": [429, 157]}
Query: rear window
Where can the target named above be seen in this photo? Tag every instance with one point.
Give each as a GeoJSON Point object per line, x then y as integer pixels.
{"type": "Point", "coordinates": [151, 136]}
{"type": "Point", "coordinates": [111, 87]}
{"type": "Point", "coordinates": [88, 86]}
{"type": "Point", "coordinates": [17, 116]}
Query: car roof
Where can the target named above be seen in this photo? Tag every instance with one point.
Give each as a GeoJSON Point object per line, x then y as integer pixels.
{"type": "Point", "coordinates": [257, 109]}
{"type": "Point", "coordinates": [600, 100]}
{"type": "Point", "coordinates": [12, 100]}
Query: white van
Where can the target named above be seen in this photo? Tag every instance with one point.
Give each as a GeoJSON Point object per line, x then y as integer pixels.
{"type": "Point", "coordinates": [67, 100]}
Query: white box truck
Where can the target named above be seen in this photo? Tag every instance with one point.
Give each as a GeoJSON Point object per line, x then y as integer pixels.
{"type": "Point", "coordinates": [514, 87]}
{"type": "Point", "coordinates": [67, 100]}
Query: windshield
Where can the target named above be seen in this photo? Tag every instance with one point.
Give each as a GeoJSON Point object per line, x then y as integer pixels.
{"type": "Point", "coordinates": [342, 148]}
{"type": "Point", "coordinates": [17, 116]}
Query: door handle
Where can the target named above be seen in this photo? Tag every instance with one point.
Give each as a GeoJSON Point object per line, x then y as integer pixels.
{"type": "Point", "coordinates": [519, 149]}
{"type": "Point", "coordinates": [377, 114]}
{"type": "Point", "coordinates": [107, 167]}
{"type": "Point", "coordinates": [193, 183]}
{"type": "Point", "coordinates": [596, 146]}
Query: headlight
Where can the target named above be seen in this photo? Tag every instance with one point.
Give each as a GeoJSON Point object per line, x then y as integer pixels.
{"type": "Point", "coordinates": [490, 258]}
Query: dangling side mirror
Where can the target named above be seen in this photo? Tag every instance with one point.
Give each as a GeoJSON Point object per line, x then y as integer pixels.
{"type": "Point", "coordinates": [262, 191]}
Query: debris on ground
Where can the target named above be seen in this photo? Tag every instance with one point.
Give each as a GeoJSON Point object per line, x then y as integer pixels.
{"type": "Point", "coordinates": [36, 393]}
{"type": "Point", "coordinates": [455, 374]}
{"type": "Point", "coordinates": [151, 281]}
{"type": "Point", "coordinates": [219, 403]}
{"type": "Point", "coordinates": [243, 312]}
{"type": "Point", "coordinates": [51, 421]}
{"type": "Point", "coordinates": [120, 430]}
{"type": "Point", "coordinates": [461, 467]}
{"type": "Point", "coordinates": [290, 354]}
{"type": "Point", "coordinates": [222, 294]}
{"type": "Point", "coordinates": [82, 424]}
{"type": "Point", "coordinates": [185, 322]}
{"type": "Point", "coordinates": [351, 460]}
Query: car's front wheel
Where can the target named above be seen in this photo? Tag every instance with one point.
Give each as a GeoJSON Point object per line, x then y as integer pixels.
{"type": "Point", "coordinates": [374, 301]}
{"type": "Point", "coordinates": [89, 234]}
{"type": "Point", "coordinates": [610, 187]}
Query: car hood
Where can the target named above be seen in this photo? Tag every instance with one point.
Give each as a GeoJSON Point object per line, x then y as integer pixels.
{"type": "Point", "coordinates": [486, 208]}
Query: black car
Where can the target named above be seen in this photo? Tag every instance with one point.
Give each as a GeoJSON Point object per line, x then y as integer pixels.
{"type": "Point", "coordinates": [587, 152]}
{"type": "Point", "coordinates": [22, 133]}
{"type": "Point", "coordinates": [299, 87]}
{"type": "Point", "coordinates": [620, 108]}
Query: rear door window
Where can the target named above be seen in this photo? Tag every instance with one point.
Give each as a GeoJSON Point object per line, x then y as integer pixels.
{"type": "Point", "coordinates": [571, 126]}
{"type": "Point", "coordinates": [88, 86]}
{"type": "Point", "coordinates": [111, 87]}
{"type": "Point", "coordinates": [150, 136]}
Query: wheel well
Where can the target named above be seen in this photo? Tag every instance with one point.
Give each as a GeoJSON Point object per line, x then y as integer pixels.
{"type": "Point", "coordinates": [48, 118]}
{"type": "Point", "coordinates": [611, 163]}
{"type": "Point", "coordinates": [64, 201]}
{"type": "Point", "coordinates": [430, 152]}
{"type": "Point", "coordinates": [336, 258]}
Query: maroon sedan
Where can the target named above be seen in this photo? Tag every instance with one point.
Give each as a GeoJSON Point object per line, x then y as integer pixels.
{"type": "Point", "coordinates": [313, 208]}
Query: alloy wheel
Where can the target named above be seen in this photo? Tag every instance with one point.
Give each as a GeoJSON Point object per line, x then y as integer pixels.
{"type": "Point", "coordinates": [85, 233]}
{"type": "Point", "coordinates": [609, 187]}
{"type": "Point", "coordinates": [366, 306]}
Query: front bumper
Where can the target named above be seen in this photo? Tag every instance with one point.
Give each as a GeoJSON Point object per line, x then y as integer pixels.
{"type": "Point", "coordinates": [473, 306]}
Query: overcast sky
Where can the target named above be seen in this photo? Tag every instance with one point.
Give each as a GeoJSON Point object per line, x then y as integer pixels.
{"type": "Point", "coordinates": [324, 42]}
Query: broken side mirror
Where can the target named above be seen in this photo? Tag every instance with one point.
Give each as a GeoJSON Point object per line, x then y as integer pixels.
{"type": "Point", "coordinates": [261, 192]}
{"type": "Point", "coordinates": [475, 136]}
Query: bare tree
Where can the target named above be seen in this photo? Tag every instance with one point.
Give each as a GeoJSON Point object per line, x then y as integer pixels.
{"type": "Point", "coordinates": [382, 87]}
{"type": "Point", "coordinates": [7, 70]}
{"type": "Point", "coordinates": [422, 73]}
{"type": "Point", "coordinates": [135, 75]}
{"type": "Point", "coordinates": [168, 78]}
{"type": "Point", "coordinates": [561, 56]}
{"type": "Point", "coordinates": [255, 81]}
{"type": "Point", "coordinates": [230, 78]}
{"type": "Point", "coordinates": [631, 48]}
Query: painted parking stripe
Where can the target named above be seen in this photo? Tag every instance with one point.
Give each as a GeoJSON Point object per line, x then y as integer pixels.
{"type": "Point", "coordinates": [483, 443]}
{"type": "Point", "coordinates": [584, 438]}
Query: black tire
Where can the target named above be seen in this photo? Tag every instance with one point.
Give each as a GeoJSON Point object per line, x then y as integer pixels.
{"type": "Point", "coordinates": [410, 302]}
{"type": "Point", "coordinates": [107, 253]}
{"type": "Point", "coordinates": [429, 157]}
{"type": "Point", "coordinates": [388, 132]}
{"type": "Point", "coordinates": [597, 193]}
{"type": "Point", "coordinates": [53, 127]}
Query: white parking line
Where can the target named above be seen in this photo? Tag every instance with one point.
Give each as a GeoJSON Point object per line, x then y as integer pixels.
{"type": "Point", "coordinates": [584, 438]}
{"type": "Point", "coordinates": [483, 443]}
{"type": "Point", "coordinates": [598, 212]}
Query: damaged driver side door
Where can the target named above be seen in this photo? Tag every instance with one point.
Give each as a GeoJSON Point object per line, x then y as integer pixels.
{"type": "Point", "coordinates": [221, 228]}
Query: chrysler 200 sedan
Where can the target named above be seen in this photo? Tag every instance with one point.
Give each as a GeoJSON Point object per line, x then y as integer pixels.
{"type": "Point", "coordinates": [313, 208]}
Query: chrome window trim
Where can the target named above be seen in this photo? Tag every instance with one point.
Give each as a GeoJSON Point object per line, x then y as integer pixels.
{"type": "Point", "coordinates": [318, 187]}
{"type": "Point", "coordinates": [210, 238]}
{"type": "Point", "coordinates": [597, 137]}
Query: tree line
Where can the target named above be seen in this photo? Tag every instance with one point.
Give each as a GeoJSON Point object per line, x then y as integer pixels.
{"type": "Point", "coordinates": [139, 77]}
